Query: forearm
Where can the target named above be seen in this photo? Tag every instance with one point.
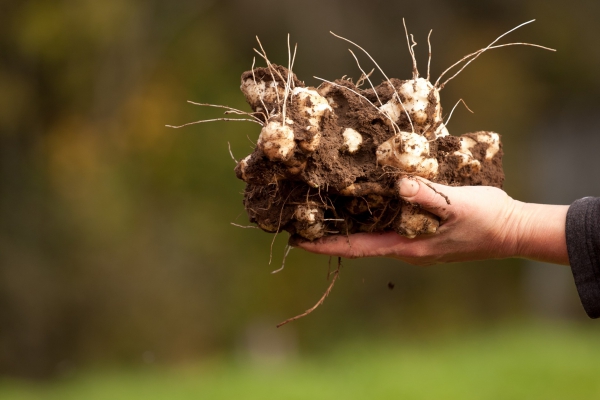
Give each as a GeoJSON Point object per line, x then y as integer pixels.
{"type": "Point", "coordinates": [540, 233]}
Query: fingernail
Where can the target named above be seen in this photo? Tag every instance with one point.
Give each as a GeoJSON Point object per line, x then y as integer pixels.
{"type": "Point", "coordinates": [408, 187]}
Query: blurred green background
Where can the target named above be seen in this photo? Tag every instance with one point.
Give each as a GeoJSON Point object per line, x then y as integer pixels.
{"type": "Point", "coordinates": [121, 276]}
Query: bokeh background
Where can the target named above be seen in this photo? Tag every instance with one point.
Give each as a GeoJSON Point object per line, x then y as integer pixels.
{"type": "Point", "coordinates": [120, 270]}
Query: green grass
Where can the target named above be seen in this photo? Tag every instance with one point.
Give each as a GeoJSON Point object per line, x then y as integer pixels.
{"type": "Point", "coordinates": [542, 362]}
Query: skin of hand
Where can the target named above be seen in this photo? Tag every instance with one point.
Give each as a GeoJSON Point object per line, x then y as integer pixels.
{"type": "Point", "coordinates": [481, 222]}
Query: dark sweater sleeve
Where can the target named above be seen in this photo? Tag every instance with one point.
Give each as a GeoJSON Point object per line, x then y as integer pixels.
{"type": "Point", "coordinates": [583, 246]}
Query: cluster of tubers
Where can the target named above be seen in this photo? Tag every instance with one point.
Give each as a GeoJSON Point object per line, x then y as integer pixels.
{"type": "Point", "coordinates": [327, 158]}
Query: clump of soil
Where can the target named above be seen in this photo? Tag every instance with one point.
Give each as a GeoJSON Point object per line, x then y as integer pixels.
{"type": "Point", "coordinates": [328, 158]}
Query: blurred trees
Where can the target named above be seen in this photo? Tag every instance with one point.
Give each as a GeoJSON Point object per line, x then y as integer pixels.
{"type": "Point", "coordinates": [114, 230]}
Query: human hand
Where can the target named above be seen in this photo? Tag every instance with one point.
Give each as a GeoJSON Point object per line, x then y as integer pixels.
{"type": "Point", "coordinates": [480, 223]}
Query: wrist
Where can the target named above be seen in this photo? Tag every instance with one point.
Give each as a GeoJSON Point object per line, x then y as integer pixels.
{"type": "Point", "coordinates": [539, 232]}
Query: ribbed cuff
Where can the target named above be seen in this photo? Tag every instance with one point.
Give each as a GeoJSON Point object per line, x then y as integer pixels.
{"type": "Point", "coordinates": [583, 246]}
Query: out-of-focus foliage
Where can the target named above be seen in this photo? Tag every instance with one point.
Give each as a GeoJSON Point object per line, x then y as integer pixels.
{"type": "Point", "coordinates": [115, 242]}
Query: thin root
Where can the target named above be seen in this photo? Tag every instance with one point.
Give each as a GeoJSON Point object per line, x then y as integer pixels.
{"type": "Point", "coordinates": [288, 248]}
{"type": "Point", "coordinates": [230, 110]}
{"type": "Point", "coordinates": [231, 153]}
{"type": "Point", "coordinates": [366, 76]}
{"type": "Point", "coordinates": [479, 52]}
{"type": "Point", "coordinates": [336, 273]}
{"type": "Point", "coordinates": [476, 53]}
{"type": "Point", "coordinates": [437, 192]}
{"type": "Point", "coordinates": [287, 82]}
{"type": "Point", "coordinates": [245, 226]}
{"type": "Point", "coordinates": [363, 77]}
{"type": "Point", "coordinates": [293, 60]}
{"type": "Point", "coordinates": [367, 203]}
{"type": "Point", "coordinates": [450, 116]}
{"type": "Point", "coordinates": [393, 218]}
{"type": "Point", "coordinates": [411, 51]}
{"type": "Point", "coordinates": [212, 120]}
{"type": "Point", "coordinates": [429, 59]}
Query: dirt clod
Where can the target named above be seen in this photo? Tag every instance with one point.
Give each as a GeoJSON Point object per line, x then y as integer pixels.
{"type": "Point", "coordinates": [333, 170]}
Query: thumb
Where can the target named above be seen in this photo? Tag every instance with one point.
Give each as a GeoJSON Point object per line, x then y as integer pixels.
{"type": "Point", "coordinates": [432, 197]}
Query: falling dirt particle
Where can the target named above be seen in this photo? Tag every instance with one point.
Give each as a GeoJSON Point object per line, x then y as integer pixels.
{"type": "Point", "coordinates": [391, 285]}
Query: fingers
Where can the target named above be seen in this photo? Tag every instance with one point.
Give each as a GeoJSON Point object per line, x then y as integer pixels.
{"type": "Point", "coordinates": [353, 246]}
{"type": "Point", "coordinates": [430, 196]}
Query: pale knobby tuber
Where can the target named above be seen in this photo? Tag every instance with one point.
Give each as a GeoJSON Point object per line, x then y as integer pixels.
{"type": "Point", "coordinates": [410, 153]}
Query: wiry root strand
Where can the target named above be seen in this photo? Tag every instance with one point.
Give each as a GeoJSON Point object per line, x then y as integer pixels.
{"type": "Point", "coordinates": [336, 274]}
